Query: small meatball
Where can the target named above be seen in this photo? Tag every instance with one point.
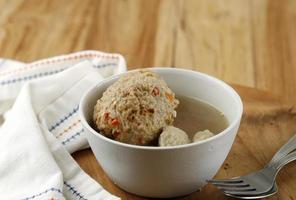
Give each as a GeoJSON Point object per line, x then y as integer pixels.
{"type": "Point", "coordinates": [172, 136]}
{"type": "Point", "coordinates": [202, 135]}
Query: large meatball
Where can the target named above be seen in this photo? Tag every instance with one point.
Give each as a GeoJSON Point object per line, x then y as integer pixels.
{"type": "Point", "coordinates": [136, 108]}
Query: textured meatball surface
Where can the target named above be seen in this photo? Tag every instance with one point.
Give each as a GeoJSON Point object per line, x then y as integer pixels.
{"type": "Point", "coordinates": [136, 108]}
{"type": "Point", "coordinates": [172, 136]}
{"type": "Point", "coordinates": [202, 135]}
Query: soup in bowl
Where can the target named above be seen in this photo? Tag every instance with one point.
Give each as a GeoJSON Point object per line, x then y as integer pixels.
{"type": "Point", "coordinates": [170, 171]}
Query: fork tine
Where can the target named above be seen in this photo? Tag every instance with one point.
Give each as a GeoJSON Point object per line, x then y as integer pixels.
{"type": "Point", "coordinates": [234, 180]}
{"type": "Point", "coordinates": [242, 193]}
{"type": "Point", "coordinates": [246, 197]}
{"type": "Point", "coordinates": [236, 184]}
{"type": "Point", "coordinates": [231, 189]}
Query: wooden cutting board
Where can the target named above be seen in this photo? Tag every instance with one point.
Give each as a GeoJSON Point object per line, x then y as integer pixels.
{"type": "Point", "coordinates": [267, 124]}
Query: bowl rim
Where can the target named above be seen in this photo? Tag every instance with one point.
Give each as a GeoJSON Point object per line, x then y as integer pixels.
{"type": "Point", "coordinates": [153, 148]}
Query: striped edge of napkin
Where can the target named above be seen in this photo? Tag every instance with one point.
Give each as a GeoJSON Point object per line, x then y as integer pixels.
{"type": "Point", "coordinates": [44, 126]}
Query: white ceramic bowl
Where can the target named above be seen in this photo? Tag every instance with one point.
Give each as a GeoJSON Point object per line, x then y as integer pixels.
{"type": "Point", "coordinates": [167, 171]}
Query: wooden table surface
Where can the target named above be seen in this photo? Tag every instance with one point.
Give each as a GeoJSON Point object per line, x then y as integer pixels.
{"type": "Point", "coordinates": [266, 125]}
{"type": "Point", "coordinates": [246, 42]}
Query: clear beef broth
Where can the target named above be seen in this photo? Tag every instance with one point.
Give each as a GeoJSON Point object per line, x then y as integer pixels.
{"type": "Point", "coordinates": [194, 115]}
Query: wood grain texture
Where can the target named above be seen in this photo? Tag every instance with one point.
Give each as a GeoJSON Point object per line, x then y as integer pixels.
{"type": "Point", "coordinates": [266, 125]}
{"type": "Point", "coordinates": [247, 42]}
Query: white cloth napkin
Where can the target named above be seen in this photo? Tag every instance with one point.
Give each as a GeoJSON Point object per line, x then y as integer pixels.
{"type": "Point", "coordinates": [42, 128]}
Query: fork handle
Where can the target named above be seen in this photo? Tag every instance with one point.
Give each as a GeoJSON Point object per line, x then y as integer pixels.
{"type": "Point", "coordinates": [284, 150]}
{"type": "Point", "coordinates": [283, 161]}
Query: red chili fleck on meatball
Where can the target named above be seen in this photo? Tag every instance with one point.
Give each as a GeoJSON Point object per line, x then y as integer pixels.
{"type": "Point", "coordinates": [141, 140]}
{"type": "Point", "coordinates": [116, 134]}
{"type": "Point", "coordinates": [155, 91]}
{"type": "Point", "coordinates": [115, 122]}
{"type": "Point", "coordinates": [170, 97]}
{"type": "Point", "coordinates": [106, 115]}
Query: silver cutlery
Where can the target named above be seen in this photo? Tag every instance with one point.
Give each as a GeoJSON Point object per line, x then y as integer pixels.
{"type": "Point", "coordinates": [260, 183]}
{"type": "Point", "coordinates": [271, 192]}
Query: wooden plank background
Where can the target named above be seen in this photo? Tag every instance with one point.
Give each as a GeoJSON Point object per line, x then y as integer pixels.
{"type": "Point", "coordinates": [247, 42]}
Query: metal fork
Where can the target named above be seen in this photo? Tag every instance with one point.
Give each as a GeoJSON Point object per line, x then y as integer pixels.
{"type": "Point", "coordinates": [261, 181]}
{"type": "Point", "coordinates": [269, 193]}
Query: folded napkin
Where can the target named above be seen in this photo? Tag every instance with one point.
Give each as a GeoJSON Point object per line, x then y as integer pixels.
{"type": "Point", "coordinates": [42, 127]}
